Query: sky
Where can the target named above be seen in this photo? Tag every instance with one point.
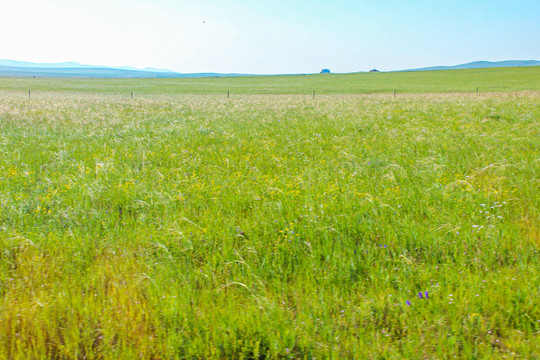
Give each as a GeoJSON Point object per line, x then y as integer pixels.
{"type": "Point", "coordinates": [269, 36]}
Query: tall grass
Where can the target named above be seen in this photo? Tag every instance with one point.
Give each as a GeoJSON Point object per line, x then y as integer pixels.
{"type": "Point", "coordinates": [269, 227]}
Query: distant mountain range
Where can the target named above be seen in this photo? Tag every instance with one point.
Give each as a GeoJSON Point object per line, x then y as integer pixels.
{"type": "Point", "coordinates": [12, 68]}
{"type": "Point", "coordinates": [482, 64]}
{"type": "Point", "coordinates": [71, 64]}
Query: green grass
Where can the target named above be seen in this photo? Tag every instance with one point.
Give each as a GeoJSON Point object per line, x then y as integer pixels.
{"type": "Point", "coordinates": [456, 81]}
{"type": "Point", "coordinates": [198, 227]}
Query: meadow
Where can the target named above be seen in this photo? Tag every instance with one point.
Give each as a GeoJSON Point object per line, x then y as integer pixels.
{"type": "Point", "coordinates": [183, 224]}
{"type": "Point", "coordinates": [450, 81]}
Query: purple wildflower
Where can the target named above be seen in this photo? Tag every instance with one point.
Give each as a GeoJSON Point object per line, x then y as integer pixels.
{"type": "Point", "coordinates": [427, 295]}
{"type": "Point", "coordinates": [408, 302]}
{"type": "Point", "coordinates": [420, 295]}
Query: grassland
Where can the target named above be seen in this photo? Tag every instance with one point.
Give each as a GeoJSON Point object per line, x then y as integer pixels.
{"type": "Point", "coordinates": [451, 81]}
{"type": "Point", "coordinates": [268, 226]}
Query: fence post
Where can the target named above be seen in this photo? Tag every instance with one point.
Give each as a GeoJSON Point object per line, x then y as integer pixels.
{"type": "Point", "coordinates": [132, 95]}
{"type": "Point", "coordinates": [227, 94]}
{"type": "Point", "coordinates": [395, 93]}
{"type": "Point", "coordinates": [29, 94]}
{"type": "Point", "coordinates": [313, 94]}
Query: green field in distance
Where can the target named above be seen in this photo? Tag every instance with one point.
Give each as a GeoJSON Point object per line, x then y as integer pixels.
{"type": "Point", "coordinates": [459, 81]}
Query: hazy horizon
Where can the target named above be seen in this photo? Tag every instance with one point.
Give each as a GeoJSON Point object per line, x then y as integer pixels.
{"type": "Point", "coordinates": [50, 67]}
{"type": "Point", "coordinates": [267, 37]}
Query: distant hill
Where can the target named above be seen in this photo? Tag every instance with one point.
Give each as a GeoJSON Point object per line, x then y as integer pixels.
{"type": "Point", "coordinates": [482, 64]}
{"type": "Point", "coordinates": [12, 68]}
{"type": "Point", "coordinates": [72, 65]}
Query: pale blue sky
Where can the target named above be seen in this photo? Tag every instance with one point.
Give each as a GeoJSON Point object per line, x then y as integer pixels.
{"type": "Point", "coordinates": [268, 37]}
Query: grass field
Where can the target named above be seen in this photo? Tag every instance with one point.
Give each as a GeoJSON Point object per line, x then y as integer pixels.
{"type": "Point", "coordinates": [451, 81]}
{"type": "Point", "coordinates": [270, 226]}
